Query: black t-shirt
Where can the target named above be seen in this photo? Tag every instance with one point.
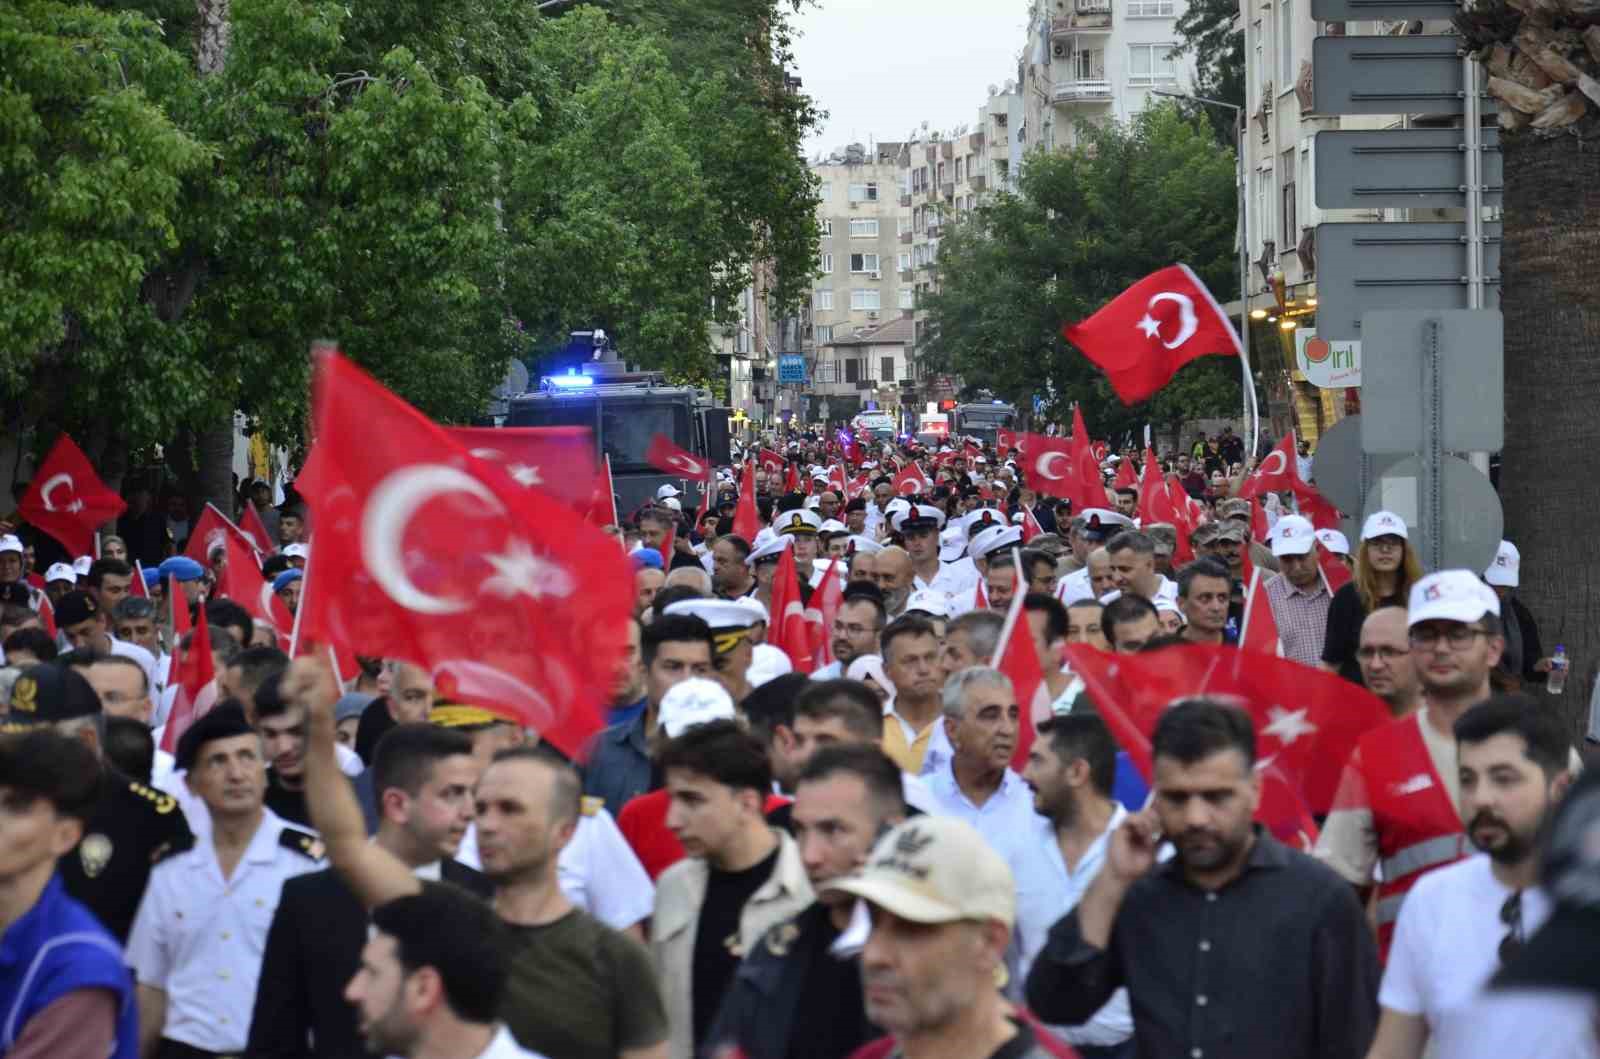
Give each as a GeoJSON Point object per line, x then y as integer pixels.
{"type": "Point", "coordinates": [287, 803]}
{"type": "Point", "coordinates": [374, 724]}
{"type": "Point", "coordinates": [831, 1013]}
{"type": "Point", "coordinates": [716, 938]}
{"type": "Point", "coordinates": [1345, 615]}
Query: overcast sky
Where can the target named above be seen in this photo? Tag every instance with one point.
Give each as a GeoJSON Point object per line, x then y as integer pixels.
{"type": "Point", "coordinates": [880, 68]}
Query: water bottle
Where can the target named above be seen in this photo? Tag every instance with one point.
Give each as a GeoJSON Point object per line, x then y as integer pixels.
{"type": "Point", "coordinates": [1558, 671]}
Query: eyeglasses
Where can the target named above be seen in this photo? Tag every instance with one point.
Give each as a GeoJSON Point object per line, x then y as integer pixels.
{"type": "Point", "coordinates": [1511, 918]}
{"type": "Point", "coordinates": [1388, 654]}
{"type": "Point", "coordinates": [1457, 638]}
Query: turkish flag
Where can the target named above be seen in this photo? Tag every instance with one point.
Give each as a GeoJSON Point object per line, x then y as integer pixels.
{"type": "Point", "coordinates": [1334, 573]}
{"type": "Point", "coordinates": [1126, 478]}
{"type": "Point", "coordinates": [1016, 657]}
{"type": "Point", "coordinates": [242, 582]}
{"type": "Point", "coordinates": [1259, 530]}
{"type": "Point", "coordinates": [178, 607]}
{"type": "Point", "coordinates": [668, 458]}
{"type": "Point", "coordinates": [1030, 526]}
{"type": "Point", "coordinates": [1260, 629]}
{"type": "Point", "coordinates": [558, 460]}
{"type": "Point", "coordinates": [837, 480]}
{"type": "Point", "coordinates": [211, 533]}
{"type": "Point", "coordinates": [1314, 506]}
{"type": "Point", "coordinates": [1048, 469]}
{"type": "Point", "coordinates": [746, 521]}
{"type": "Point", "coordinates": [1145, 334]}
{"type": "Point", "coordinates": [667, 543]}
{"type": "Point", "coordinates": [771, 462]}
{"type": "Point", "coordinates": [254, 530]}
{"type": "Point", "coordinates": [1276, 473]}
{"type": "Point", "coordinates": [67, 500]}
{"type": "Point", "coordinates": [192, 669]}
{"type": "Point", "coordinates": [47, 615]}
{"type": "Point", "coordinates": [911, 481]}
{"type": "Point", "coordinates": [429, 554]}
{"type": "Point", "coordinates": [1004, 441]}
{"type": "Point", "coordinates": [791, 479]}
{"type": "Point", "coordinates": [1307, 720]}
{"type": "Point", "coordinates": [602, 510]}
{"type": "Point", "coordinates": [789, 630]}
{"type": "Point", "coordinates": [825, 603]}
{"type": "Point", "coordinates": [137, 586]}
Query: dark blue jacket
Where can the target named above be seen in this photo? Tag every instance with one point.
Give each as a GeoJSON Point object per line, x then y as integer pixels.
{"type": "Point", "coordinates": [619, 765]}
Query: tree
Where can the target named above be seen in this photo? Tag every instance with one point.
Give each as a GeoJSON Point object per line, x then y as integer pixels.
{"type": "Point", "coordinates": [1206, 29]}
{"type": "Point", "coordinates": [1081, 228]}
{"type": "Point", "coordinates": [1543, 62]}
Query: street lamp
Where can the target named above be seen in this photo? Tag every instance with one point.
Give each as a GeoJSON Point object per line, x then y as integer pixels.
{"type": "Point", "coordinates": [1244, 254]}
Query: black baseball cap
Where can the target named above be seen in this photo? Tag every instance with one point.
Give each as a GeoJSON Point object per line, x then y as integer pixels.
{"type": "Point", "coordinates": [48, 693]}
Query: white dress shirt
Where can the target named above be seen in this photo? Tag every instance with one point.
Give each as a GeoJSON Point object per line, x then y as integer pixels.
{"type": "Point", "coordinates": [1075, 587]}
{"type": "Point", "coordinates": [505, 1046]}
{"type": "Point", "coordinates": [1046, 891]}
{"type": "Point", "coordinates": [1010, 807]}
{"type": "Point", "coordinates": [199, 937]}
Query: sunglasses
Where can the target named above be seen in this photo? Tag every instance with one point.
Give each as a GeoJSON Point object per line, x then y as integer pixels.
{"type": "Point", "coordinates": [1511, 919]}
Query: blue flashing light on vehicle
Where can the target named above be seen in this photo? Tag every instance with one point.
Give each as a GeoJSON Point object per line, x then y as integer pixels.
{"type": "Point", "coordinates": [571, 380]}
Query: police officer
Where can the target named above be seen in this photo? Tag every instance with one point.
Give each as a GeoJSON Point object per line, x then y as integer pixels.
{"type": "Point", "coordinates": [131, 826]}
{"type": "Point", "coordinates": [199, 938]}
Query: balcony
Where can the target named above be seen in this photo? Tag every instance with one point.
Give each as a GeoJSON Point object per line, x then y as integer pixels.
{"type": "Point", "coordinates": [979, 182]}
{"type": "Point", "coordinates": [905, 200]}
{"type": "Point", "coordinates": [1081, 92]}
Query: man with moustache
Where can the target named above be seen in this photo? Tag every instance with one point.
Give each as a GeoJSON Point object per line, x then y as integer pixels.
{"type": "Point", "coordinates": [981, 718]}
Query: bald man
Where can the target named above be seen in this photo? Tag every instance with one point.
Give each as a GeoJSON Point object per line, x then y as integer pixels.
{"type": "Point", "coordinates": [1384, 655]}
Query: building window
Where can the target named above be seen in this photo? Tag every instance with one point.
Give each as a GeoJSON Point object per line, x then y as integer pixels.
{"type": "Point", "coordinates": [865, 299]}
{"type": "Point", "coordinates": [1089, 64]}
{"type": "Point", "coordinates": [852, 370]}
{"type": "Point", "coordinates": [905, 260]}
{"type": "Point", "coordinates": [888, 369]}
{"type": "Point", "coordinates": [825, 191]}
{"type": "Point", "coordinates": [824, 299]}
{"type": "Point", "coordinates": [827, 228]}
{"type": "Point", "coordinates": [863, 263]}
{"type": "Point", "coordinates": [864, 229]}
{"type": "Point", "coordinates": [907, 298]}
{"type": "Point", "coordinates": [825, 265]}
{"type": "Point", "coordinates": [864, 192]}
{"type": "Point", "coordinates": [958, 170]}
{"type": "Point", "coordinates": [1263, 218]}
{"type": "Point", "coordinates": [941, 172]}
{"type": "Point", "coordinates": [1150, 8]}
{"type": "Point", "coordinates": [824, 333]}
{"type": "Point", "coordinates": [1285, 45]}
{"type": "Point", "coordinates": [1151, 63]}
{"type": "Point", "coordinates": [1286, 183]}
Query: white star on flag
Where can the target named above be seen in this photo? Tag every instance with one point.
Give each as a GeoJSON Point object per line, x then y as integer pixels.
{"type": "Point", "coordinates": [519, 571]}
{"type": "Point", "coordinates": [1288, 725]}
{"type": "Point", "coordinates": [1150, 327]}
{"type": "Point", "coordinates": [525, 474]}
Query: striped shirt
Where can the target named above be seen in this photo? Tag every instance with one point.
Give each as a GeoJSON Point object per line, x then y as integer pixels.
{"type": "Point", "coordinates": [1302, 618]}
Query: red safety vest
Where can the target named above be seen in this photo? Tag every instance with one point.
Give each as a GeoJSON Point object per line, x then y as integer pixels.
{"type": "Point", "coordinates": [1418, 827]}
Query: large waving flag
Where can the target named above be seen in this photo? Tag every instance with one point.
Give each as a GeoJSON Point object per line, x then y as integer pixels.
{"type": "Point", "coordinates": [67, 500]}
{"type": "Point", "coordinates": [1145, 334]}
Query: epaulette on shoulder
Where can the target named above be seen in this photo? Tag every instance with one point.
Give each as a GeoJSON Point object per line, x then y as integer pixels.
{"type": "Point", "coordinates": [161, 801]}
{"type": "Point", "coordinates": [172, 847]}
{"type": "Point", "coordinates": [302, 842]}
{"type": "Point", "coordinates": [591, 805]}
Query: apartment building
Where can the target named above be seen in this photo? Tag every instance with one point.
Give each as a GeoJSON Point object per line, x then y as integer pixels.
{"type": "Point", "coordinates": [857, 285]}
{"type": "Point", "coordinates": [1096, 61]}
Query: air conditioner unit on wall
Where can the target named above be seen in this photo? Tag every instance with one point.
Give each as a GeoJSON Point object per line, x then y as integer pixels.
{"type": "Point", "coordinates": [1059, 50]}
{"type": "Point", "coordinates": [875, 275]}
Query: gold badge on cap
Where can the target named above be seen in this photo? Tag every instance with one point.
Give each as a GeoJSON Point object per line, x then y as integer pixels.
{"type": "Point", "coordinates": [95, 852]}
{"type": "Point", "coordinates": [25, 695]}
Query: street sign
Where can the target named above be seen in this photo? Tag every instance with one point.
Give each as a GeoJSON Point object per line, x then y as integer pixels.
{"type": "Point", "coordinates": [1389, 75]}
{"type": "Point", "coordinates": [791, 368]}
{"type": "Point", "coordinates": [1461, 504]}
{"type": "Point", "coordinates": [1382, 10]}
{"type": "Point", "coordinates": [1342, 472]}
{"type": "Point", "coordinates": [1433, 371]}
{"type": "Point", "coordinates": [1327, 365]}
{"type": "Point", "coordinates": [1401, 167]}
{"type": "Point", "coordinates": [1393, 265]}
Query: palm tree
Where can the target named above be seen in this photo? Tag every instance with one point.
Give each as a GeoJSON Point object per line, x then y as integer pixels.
{"type": "Point", "coordinates": [1543, 59]}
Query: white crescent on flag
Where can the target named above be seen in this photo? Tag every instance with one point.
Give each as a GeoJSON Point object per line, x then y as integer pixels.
{"type": "Point", "coordinates": [1044, 462]}
{"type": "Point", "coordinates": [55, 482]}
{"type": "Point", "coordinates": [1269, 467]}
{"type": "Point", "coordinates": [1188, 322]}
{"type": "Point", "coordinates": [691, 468]}
{"type": "Point", "coordinates": [383, 527]}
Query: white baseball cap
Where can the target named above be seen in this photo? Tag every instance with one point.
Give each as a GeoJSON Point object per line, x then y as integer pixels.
{"type": "Point", "coordinates": [11, 543]}
{"type": "Point", "coordinates": [694, 701]}
{"type": "Point", "coordinates": [297, 551]}
{"type": "Point", "coordinates": [1506, 569]}
{"type": "Point", "coordinates": [767, 663]}
{"type": "Point", "coordinates": [1451, 595]}
{"type": "Point", "coordinates": [1333, 540]}
{"type": "Point", "coordinates": [928, 602]}
{"type": "Point", "coordinates": [83, 564]}
{"type": "Point", "coordinates": [672, 503]}
{"type": "Point", "coordinates": [1293, 535]}
{"type": "Point", "coordinates": [61, 572]}
{"type": "Point", "coordinates": [1384, 524]}
{"type": "Point", "coordinates": [935, 869]}
{"type": "Point", "coordinates": [667, 490]}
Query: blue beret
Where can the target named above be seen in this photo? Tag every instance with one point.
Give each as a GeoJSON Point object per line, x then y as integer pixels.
{"type": "Point", "coordinates": [182, 567]}
{"type": "Point", "coordinates": [646, 557]}
{"type": "Point", "coordinates": [152, 578]}
{"type": "Point", "coordinates": [288, 577]}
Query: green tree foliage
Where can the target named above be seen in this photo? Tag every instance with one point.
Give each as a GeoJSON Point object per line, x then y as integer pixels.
{"type": "Point", "coordinates": [1082, 227]}
{"type": "Point", "coordinates": [410, 179]}
{"type": "Point", "coordinates": [1206, 29]}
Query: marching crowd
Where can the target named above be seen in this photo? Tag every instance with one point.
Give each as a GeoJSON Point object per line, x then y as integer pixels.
{"type": "Point", "coordinates": [882, 846]}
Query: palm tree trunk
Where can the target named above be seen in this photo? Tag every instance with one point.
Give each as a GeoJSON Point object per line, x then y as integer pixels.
{"type": "Point", "coordinates": [1550, 274]}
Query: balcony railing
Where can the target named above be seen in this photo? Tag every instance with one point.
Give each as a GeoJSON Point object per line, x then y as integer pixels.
{"type": "Point", "coordinates": [1082, 92]}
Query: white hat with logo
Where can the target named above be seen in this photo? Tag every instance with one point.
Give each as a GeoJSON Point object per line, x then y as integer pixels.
{"type": "Point", "coordinates": [694, 701]}
{"type": "Point", "coordinates": [1293, 535]}
{"type": "Point", "coordinates": [1333, 540]}
{"type": "Point", "coordinates": [1451, 595]}
{"type": "Point", "coordinates": [935, 869]}
{"type": "Point", "coordinates": [1506, 570]}
{"type": "Point", "coordinates": [1384, 524]}
{"type": "Point", "coordinates": [61, 572]}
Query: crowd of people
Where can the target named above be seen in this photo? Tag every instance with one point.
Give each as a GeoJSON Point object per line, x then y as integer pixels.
{"type": "Point", "coordinates": [764, 860]}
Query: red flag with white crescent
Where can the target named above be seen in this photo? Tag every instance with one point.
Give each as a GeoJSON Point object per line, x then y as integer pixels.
{"type": "Point", "coordinates": [911, 481]}
{"type": "Point", "coordinates": [668, 458]}
{"type": "Point", "coordinates": [211, 533]}
{"type": "Point", "coordinates": [771, 462]}
{"type": "Point", "coordinates": [789, 631]}
{"type": "Point", "coordinates": [427, 553]}
{"type": "Point", "coordinates": [67, 499]}
{"type": "Point", "coordinates": [1048, 468]}
{"type": "Point", "coordinates": [1276, 473]}
{"type": "Point", "coordinates": [558, 460]}
{"type": "Point", "coordinates": [241, 581]}
{"type": "Point", "coordinates": [1334, 573]}
{"type": "Point", "coordinates": [1145, 334]}
{"type": "Point", "coordinates": [254, 530]}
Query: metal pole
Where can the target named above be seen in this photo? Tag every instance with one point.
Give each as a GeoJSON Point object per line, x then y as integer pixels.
{"type": "Point", "coordinates": [1472, 142]}
{"type": "Point", "coordinates": [1251, 412]}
